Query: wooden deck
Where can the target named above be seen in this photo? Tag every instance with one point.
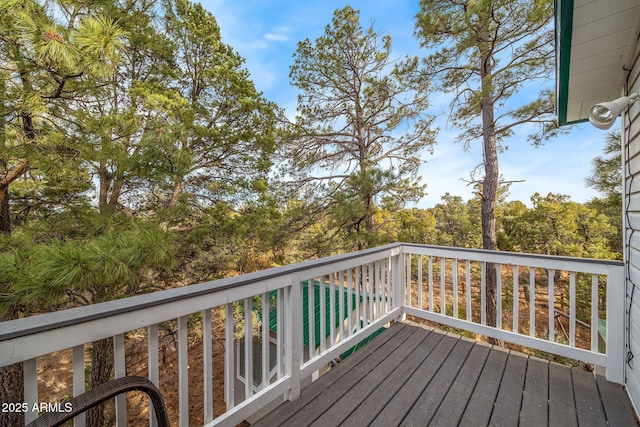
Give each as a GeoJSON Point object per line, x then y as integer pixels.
{"type": "Point", "coordinates": [413, 376]}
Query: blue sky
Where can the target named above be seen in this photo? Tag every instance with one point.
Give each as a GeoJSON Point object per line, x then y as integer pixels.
{"type": "Point", "coordinates": [265, 33]}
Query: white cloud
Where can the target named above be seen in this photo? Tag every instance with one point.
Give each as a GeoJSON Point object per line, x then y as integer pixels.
{"type": "Point", "coordinates": [276, 37]}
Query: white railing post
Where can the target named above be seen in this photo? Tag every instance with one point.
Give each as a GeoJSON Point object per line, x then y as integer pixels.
{"type": "Point", "coordinates": [293, 325]}
{"type": "Point", "coordinates": [79, 381]}
{"type": "Point", "coordinates": [397, 280]}
{"type": "Point", "coordinates": [120, 372]}
{"type": "Point", "coordinates": [153, 371]}
{"type": "Point", "coordinates": [30, 375]}
{"type": "Point", "coordinates": [266, 365]}
{"type": "Point", "coordinates": [281, 304]}
{"type": "Point", "coordinates": [229, 362]}
{"type": "Point", "coordinates": [248, 348]}
{"type": "Point", "coordinates": [615, 324]}
{"type": "Point", "coordinates": [183, 372]}
{"type": "Point", "coordinates": [207, 368]}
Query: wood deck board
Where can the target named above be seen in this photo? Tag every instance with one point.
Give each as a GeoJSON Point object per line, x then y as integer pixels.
{"type": "Point", "coordinates": [562, 409]}
{"type": "Point", "coordinates": [453, 406]}
{"type": "Point", "coordinates": [376, 378]}
{"type": "Point", "coordinates": [411, 376]}
{"type": "Point", "coordinates": [396, 409]}
{"type": "Point", "coordinates": [535, 399]}
{"type": "Point", "coordinates": [287, 410]}
{"type": "Point", "coordinates": [616, 403]}
{"type": "Point", "coordinates": [588, 404]}
{"type": "Point", "coordinates": [423, 410]}
{"type": "Point", "coordinates": [478, 411]}
{"type": "Point", "coordinates": [349, 380]}
{"type": "Point", "coordinates": [373, 403]}
{"type": "Point", "coordinates": [506, 409]}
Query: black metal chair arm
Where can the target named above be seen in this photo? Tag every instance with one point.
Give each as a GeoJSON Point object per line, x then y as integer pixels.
{"type": "Point", "coordinates": [91, 398]}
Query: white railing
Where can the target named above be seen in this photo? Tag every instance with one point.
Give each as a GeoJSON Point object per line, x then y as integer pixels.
{"type": "Point", "coordinates": [572, 307]}
{"type": "Point", "coordinates": [311, 313]}
{"type": "Point", "coordinates": [348, 297]}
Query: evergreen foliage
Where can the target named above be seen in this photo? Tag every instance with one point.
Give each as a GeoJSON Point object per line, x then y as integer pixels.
{"type": "Point", "coordinates": [136, 153]}
{"type": "Point", "coordinates": [346, 153]}
{"type": "Point", "coordinates": [485, 51]}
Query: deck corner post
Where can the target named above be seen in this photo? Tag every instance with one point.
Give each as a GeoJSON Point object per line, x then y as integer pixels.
{"type": "Point", "coordinates": [615, 324]}
{"type": "Point", "coordinates": [293, 331]}
{"type": "Point", "coordinates": [397, 280]}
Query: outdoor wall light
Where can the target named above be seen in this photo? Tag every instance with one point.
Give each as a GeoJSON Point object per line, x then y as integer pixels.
{"type": "Point", "coordinates": [603, 115]}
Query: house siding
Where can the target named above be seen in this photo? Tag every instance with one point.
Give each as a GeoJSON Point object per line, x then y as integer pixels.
{"type": "Point", "coordinates": [631, 221]}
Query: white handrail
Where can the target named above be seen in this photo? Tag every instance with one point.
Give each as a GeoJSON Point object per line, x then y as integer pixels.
{"type": "Point", "coordinates": [356, 294]}
{"type": "Point", "coordinates": [609, 274]}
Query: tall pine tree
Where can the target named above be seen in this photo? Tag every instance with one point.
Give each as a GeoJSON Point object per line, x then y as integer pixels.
{"type": "Point", "coordinates": [484, 52]}
{"type": "Point", "coordinates": [362, 124]}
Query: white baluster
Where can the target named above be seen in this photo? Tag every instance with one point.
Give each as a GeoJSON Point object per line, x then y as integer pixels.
{"type": "Point", "coordinates": [79, 381]}
{"type": "Point", "coordinates": [120, 372]}
{"type": "Point", "coordinates": [183, 373]}
{"type": "Point", "coordinates": [207, 358]}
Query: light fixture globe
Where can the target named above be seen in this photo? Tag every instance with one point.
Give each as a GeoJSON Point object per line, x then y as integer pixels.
{"type": "Point", "coordinates": [603, 115]}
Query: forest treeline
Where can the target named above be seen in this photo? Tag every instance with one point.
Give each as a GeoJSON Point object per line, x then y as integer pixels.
{"type": "Point", "coordinates": [138, 155]}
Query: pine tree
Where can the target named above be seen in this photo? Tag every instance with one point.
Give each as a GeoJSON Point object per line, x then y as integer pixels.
{"type": "Point", "coordinates": [213, 133]}
{"type": "Point", "coordinates": [354, 100]}
{"type": "Point", "coordinates": [606, 179]}
{"type": "Point", "coordinates": [485, 52]}
{"type": "Point", "coordinates": [45, 53]}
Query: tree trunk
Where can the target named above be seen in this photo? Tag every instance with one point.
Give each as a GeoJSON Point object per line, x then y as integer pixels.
{"type": "Point", "coordinates": [489, 184]}
{"type": "Point", "coordinates": [115, 193]}
{"type": "Point", "coordinates": [11, 385]}
{"type": "Point", "coordinates": [103, 192]}
{"type": "Point", "coordinates": [177, 193]}
{"type": "Point", "coordinates": [101, 367]}
{"type": "Point", "coordinates": [5, 219]}
{"type": "Point", "coordinates": [11, 379]}
{"type": "Point", "coordinates": [9, 177]}
{"type": "Point", "coordinates": [11, 390]}
{"type": "Point", "coordinates": [367, 231]}
{"type": "Point", "coordinates": [489, 241]}
{"type": "Point", "coordinates": [526, 287]}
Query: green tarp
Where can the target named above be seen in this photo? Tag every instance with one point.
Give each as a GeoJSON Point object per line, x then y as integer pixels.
{"type": "Point", "coordinates": [273, 312]}
{"type": "Point", "coordinates": [328, 288]}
